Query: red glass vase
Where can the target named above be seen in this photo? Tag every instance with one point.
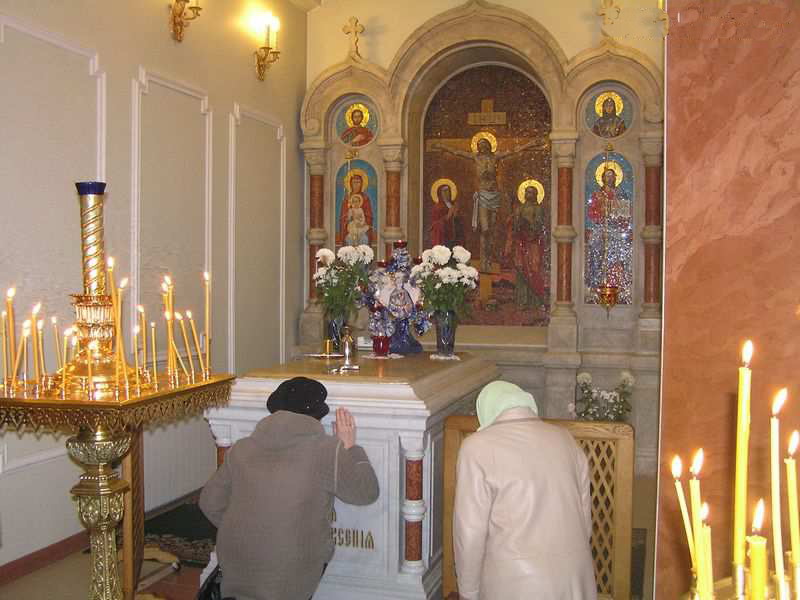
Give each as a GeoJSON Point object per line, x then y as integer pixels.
{"type": "Point", "coordinates": [380, 345]}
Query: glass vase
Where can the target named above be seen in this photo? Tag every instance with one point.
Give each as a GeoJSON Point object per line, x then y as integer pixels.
{"type": "Point", "coordinates": [380, 345]}
{"type": "Point", "coordinates": [446, 323]}
{"type": "Point", "coordinates": [335, 327]}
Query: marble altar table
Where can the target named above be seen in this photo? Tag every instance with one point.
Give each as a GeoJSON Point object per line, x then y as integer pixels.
{"type": "Point", "coordinates": [391, 549]}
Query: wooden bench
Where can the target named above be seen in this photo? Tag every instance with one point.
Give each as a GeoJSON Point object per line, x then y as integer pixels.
{"type": "Point", "coordinates": [609, 448]}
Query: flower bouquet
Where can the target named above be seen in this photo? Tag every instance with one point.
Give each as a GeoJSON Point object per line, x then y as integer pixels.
{"type": "Point", "coordinates": [341, 280]}
{"type": "Point", "coordinates": [594, 404]}
{"type": "Point", "coordinates": [446, 280]}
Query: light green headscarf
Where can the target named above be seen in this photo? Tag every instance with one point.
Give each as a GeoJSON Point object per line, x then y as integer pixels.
{"type": "Point", "coordinates": [499, 396]}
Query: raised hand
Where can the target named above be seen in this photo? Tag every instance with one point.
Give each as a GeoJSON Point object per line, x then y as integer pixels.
{"type": "Point", "coordinates": [345, 427]}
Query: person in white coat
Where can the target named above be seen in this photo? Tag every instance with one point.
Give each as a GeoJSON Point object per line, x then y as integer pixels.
{"type": "Point", "coordinates": [522, 516]}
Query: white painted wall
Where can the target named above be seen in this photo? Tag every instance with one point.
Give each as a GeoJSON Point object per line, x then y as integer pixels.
{"type": "Point", "coordinates": [100, 90]}
{"type": "Point", "coordinates": [574, 24]}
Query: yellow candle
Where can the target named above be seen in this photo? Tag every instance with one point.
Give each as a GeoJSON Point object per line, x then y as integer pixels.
{"type": "Point", "coordinates": [677, 469]}
{"type": "Point", "coordinates": [74, 343]}
{"type": "Point", "coordinates": [54, 323]}
{"type": "Point", "coordinates": [742, 453]}
{"type": "Point", "coordinates": [143, 329]}
{"type": "Point", "coordinates": [26, 333]}
{"type": "Point", "coordinates": [153, 353]}
{"type": "Point", "coordinates": [12, 340]}
{"type": "Point", "coordinates": [89, 361]}
{"type": "Point", "coordinates": [179, 316]}
{"type": "Point", "coordinates": [170, 358]}
{"type": "Point", "coordinates": [20, 350]}
{"type": "Point", "coordinates": [67, 333]}
{"type": "Point", "coordinates": [196, 342]}
{"type": "Point", "coordinates": [136, 354]}
{"type": "Point", "coordinates": [660, 4]}
{"type": "Point", "coordinates": [5, 352]}
{"type": "Point", "coordinates": [694, 498]}
{"type": "Point", "coordinates": [120, 339]}
{"type": "Point", "coordinates": [207, 281]}
{"type": "Point", "coordinates": [791, 487]}
{"type": "Point", "coordinates": [35, 342]}
{"type": "Point", "coordinates": [708, 567]}
{"type": "Point", "coordinates": [757, 545]}
{"type": "Point", "coordinates": [40, 335]}
{"type": "Point", "coordinates": [180, 360]}
{"type": "Point", "coordinates": [775, 478]}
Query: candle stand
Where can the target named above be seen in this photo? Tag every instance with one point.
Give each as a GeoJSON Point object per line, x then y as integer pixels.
{"type": "Point", "coordinates": [93, 397]}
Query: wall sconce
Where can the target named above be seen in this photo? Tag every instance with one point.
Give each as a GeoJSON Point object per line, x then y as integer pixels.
{"type": "Point", "coordinates": [268, 53]}
{"type": "Point", "coordinates": [180, 15]}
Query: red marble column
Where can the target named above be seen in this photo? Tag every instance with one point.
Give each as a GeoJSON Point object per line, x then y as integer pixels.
{"type": "Point", "coordinates": [316, 222]}
{"type": "Point", "coordinates": [414, 510]}
{"type": "Point", "coordinates": [564, 219]}
{"type": "Point", "coordinates": [221, 451]}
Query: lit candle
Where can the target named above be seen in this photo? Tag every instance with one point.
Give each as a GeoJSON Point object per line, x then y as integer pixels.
{"type": "Point", "coordinates": [74, 343]}
{"type": "Point", "coordinates": [179, 316]}
{"type": "Point", "coordinates": [67, 333]}
{"type": "Point", "coordinates": [275, 26]}
{"type": "Point", "coordinates": [153, 353]}
{"type": "Point", "coordinates": [775, 477]}
{"type": "Point", "coordinates": [12, 339]}
{"type": "Point", "coordinates": [120, 339]}
{"type": "Point", "coordinates": [660, 4]}
{"type": "Point", "coordinates": [757, 545]}
{"type": "Point", "coordinates": [170, 325]}
{"type": "Point", "coordinates": [677, 469]}
{"type": "Point", "coordinates": [5, 352]}
{"type": "Point", "coordinates": [26, 333]}
{"type": "Point", "coordinates": [742, 453]}
{"type": "Point", "coordinates": [136, 354]}
{"type": "Point", "coordinates": [20, 350]}
{"type": "Point", "coordinates": [40, 335]}
{"type": "Point", "coordinates": [165, 301]}
{"type": "Point", "coordinates": [791, 487]}
{"type": "Point", "coordinates": [694, 498]}
{"type": "Point", "coordinates": [170, 357]}
{"type": "Point", "coordinates": [111, 283]}
{"type": "Point", "coordinates": [207, 280]}
{"type": "Point", "coordinates": [268, 31]}
{"type": "Point", "coordinates": [196, 342]}
{"type": "Point", "coordinates": [54, 323]}
{"type": "Point", "coordinates": [143, 329]}
{"type": "Point", "coordinates": [35, 342]}
{"type": "Point", "coordinates": [89, 361]}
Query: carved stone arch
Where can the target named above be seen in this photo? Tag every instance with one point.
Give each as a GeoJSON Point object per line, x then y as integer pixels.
{"type": "Point", "coordinates": [477, 31]}
{"type": "Point", "coordinates": [611, 61]}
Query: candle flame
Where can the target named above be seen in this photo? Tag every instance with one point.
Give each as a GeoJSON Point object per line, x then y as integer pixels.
{"type": "Point", "coordinates": [207, 276]}
{"type": "Point", "coordinates": [167, 315]}
{"type": "Point", "coordinates": [11, 293]}
{"type": "Point", "coordinates": [780, 398]}
{"type": "Point", "coordinates": [167, 279]}
{"type": "Point", "coordinates": [140, 308]}
{"type": "Point", "coordinates": [74, 340]}
{"type": "Point", "coordinates": [697, 462]}
{"type": "Point", "coordinates": [40, 324]}
{"type": "Point", "coordinates": [793, 441]}
{"type": "Point", "coordinates": [26, 327]}
{"type": "Point", "coordinates": [164, 287]}
{"type": "Point", "coordinates": [123, 284]}
{"type": "Point", "coordinates": [704, 510]}
{"type": "Point", "coordinates": [136, 330]}
{"type": "Point", "coordinates": [677, 467]}
{"type": "Point", "coordinates": [4, 314]}
{"type": "Point", "coordinates": [54, 320]}
{"type": "Point", "coordinates": [188, 314]}
{"type": "Point", "coordinates": [110, 262]}
{"type": "Point", "coordinates": [152, 323]}
{"type": "Point", "coordinates": [758, 517]}
{"type": "Point", "coordinates": [68, 331]}
{"type": "Point", "coordinates": [179, 316]}
{"type": "Point", "coordinates": [747, 353]}
{"type": "Point", "coordinates": [36, 308]}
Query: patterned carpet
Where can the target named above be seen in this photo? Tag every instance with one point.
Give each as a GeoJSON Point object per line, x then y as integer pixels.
{"type": "Point", "coordinates": [183, 531]}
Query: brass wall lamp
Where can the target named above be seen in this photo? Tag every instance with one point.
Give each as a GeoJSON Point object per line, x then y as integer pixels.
{"type": "Point", "coordinates": [268, 53]}
{"type": "Point", "coordinates": [180, 15]}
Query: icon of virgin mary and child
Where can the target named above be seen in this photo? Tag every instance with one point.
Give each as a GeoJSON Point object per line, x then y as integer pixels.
{"type": "Point", "coordinates": [355, 215]}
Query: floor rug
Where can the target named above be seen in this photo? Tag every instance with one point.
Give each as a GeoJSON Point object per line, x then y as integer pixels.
{"type": "Point", "coordinates": [184, 531]}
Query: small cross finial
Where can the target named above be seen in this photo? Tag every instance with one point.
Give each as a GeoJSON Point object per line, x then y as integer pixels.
{"type": "Point", "coordinates": [607, 7]}
{"type": "Point", "coordinates": [353, 28]}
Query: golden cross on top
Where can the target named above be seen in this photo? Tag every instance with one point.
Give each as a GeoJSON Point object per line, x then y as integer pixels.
{"type": "Point", "coordinates": [353, 28]}
{"type": "Point", "coordinates": [607, 7]}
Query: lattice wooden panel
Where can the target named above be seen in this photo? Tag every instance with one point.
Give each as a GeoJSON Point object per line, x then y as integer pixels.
{"type": "Point", "coordinates": [602, 467]}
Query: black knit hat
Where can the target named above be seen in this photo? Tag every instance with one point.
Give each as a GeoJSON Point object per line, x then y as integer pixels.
{"type": "Point", "coordinates": [300, 395]}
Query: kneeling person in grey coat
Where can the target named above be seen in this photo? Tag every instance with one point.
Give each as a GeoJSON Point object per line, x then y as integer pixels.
{"type": "Point", "coordinates": [272, 497]}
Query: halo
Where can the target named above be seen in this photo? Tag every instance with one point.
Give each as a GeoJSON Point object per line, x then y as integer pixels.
{"type": "Point", "coordinates": [439, 183]}
{"type": "Point", "coordinates": [598, 104]}
{"type": "Point", "coordinates": [349, 175]}
{"type": "Point", "coordinates": [485, 135]}
{"type": "Point", "coordinates": [608, 164]}
{"type": "Point", "coordinates": [525, 185]}
{"type": "Point", "coordinates": [348, 115]}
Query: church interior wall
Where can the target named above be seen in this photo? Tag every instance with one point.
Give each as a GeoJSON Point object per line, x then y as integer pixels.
{"type": "Point", "coordinates": [731, 268]}
{"type": "Point", "coordinates": [83, 83]}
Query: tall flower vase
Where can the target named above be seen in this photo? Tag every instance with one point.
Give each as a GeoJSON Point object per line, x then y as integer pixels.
{"type": "Point", "coordinates": [446, 323]}
{"type": "Point", "coordinates": [335, 327]}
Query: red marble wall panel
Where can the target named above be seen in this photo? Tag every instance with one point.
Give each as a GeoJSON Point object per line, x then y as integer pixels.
{"type": "Point", "coordinates": [732, 250]}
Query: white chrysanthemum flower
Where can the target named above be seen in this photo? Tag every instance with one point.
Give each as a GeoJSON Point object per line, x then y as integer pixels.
{"type": "Point", "coordinates": [325, 256]}
{"type": "Point", "coordinates": [420, 271]}
{"type": "Point", "coordinates": [461, 254]}
{"type": "Point", "coordinates": [320, 273]}
{"type": "Point", "coordinates": [584, 378]}
{"type": "Point", "coordinates": [441, 254]}
{"type": "Point", "coordinates": [427, 255]}
{"type": "Point", "coordinates": [448, 275]}
{"type": "Point", "coordinates": [366, 253]}
{"type": "Point", "coordinates": [627, 378]}
{"type": "Point", "coordinates": [349, 255]}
